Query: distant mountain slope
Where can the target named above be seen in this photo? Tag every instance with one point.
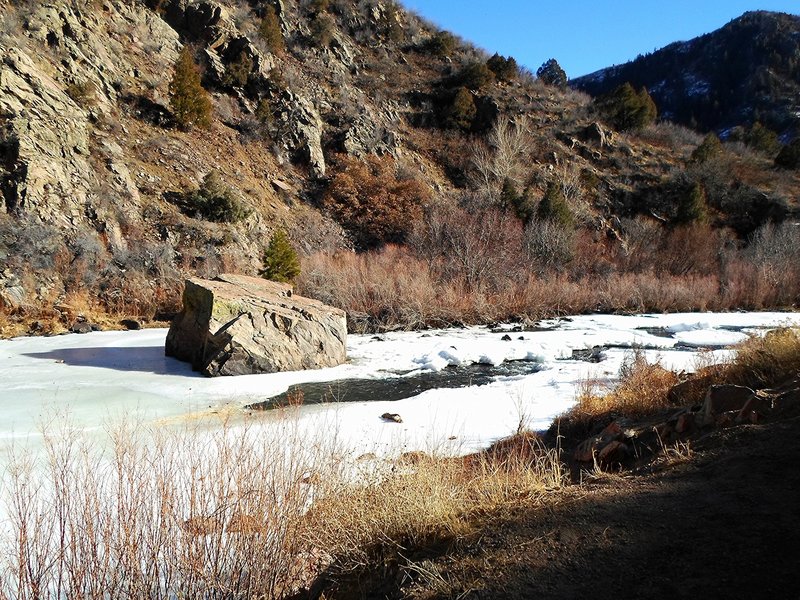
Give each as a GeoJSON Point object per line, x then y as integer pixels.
{"type": "Point", "coordinates": [747, 71]}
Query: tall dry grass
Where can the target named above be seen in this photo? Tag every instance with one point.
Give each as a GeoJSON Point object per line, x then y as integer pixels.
{"type": "Point", "coordinates": [642, 390]}
{"type": "Point", "coordinates": [228, 512]}
{"type": "Point", "coordinates": [434, 501]}
{"type": "Point", "coordinates": [765, 361]}
{"type": "Point", "coordinates": [158, 514]}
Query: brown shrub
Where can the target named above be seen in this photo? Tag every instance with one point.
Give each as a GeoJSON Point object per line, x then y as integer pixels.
{"type": "Point", "coordinates": [473, 246]}
{"type": "Point", "coordinates": [372, 203]}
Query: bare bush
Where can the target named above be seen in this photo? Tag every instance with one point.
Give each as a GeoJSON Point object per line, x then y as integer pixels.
{"type": "Point", "coordinates": [503, 156]}
{"type": "Point", "coordinates": [160, 514]}
{"type": "Point", "coordinates": [475, 245]}
{"type": "Point", "coordinates": [549, 245]}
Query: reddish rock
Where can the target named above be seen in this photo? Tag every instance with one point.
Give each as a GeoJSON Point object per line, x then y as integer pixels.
{"type": "Point", "coordinates": [586, 450]}
{"type": "Point", "coordinates": [723, 398]}
{"type": "Point", "coordinates": [612, 431]}
{"type": "Point", "coordinates": [685, 423]}
{"type": "Point", "coordinates": [689, 391]}
{"type": "Point", "coordinates": [613, 453]}
{"type": "Point", "coordinates": [754, 409]}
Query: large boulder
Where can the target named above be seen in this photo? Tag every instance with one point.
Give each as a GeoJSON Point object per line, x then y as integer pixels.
{"type": "Point", "coordinates": [237, 325]}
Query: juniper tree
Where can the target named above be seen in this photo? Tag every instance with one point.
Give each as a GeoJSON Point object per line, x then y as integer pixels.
{"type": "Point", "coordinates": [709, 148]}
{"type": "Point", "coordinates": [554, 207]}
{"type": "Point", "coordinates": [270, 31]}
{"type": "Point", "coordinates": [551, 73]}
{"type": "Point", "coordinates": [461, 111]}
{"type": "Point", "coordinates": [280, 261]}
{"type": "Point", "coordinates": [626, 109]}
{"type": "Point", "coordinates": [188, 100]}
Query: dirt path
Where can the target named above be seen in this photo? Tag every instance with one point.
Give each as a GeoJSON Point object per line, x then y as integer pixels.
{"type": "Point", "coordinates": [724, 525]}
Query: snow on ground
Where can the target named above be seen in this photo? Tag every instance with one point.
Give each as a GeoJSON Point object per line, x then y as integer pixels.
{"type": "Point", "coordinates": [100, 377]}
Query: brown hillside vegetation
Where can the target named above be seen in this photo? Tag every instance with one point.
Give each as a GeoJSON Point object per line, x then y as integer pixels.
{"type": "Point", "coordinates": [313, 104]}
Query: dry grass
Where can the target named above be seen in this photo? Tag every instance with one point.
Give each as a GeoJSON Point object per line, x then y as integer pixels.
{"type": "Point", "coordinates": [224, 512]}
{"type": "Point", "coordinates": [642, 391]}
{"type": "Point", "coordinates": [434, 502]}
{"type": "Point", "coordinates": [767, 360]}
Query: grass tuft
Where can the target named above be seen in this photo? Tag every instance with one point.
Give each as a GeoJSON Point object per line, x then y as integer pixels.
{"type": "Point", "coordinates": [767, 360]}
{"type": "Point", "coordinates": [642, 391]}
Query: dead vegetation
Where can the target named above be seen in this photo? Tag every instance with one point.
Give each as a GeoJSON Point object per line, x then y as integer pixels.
{"type": "Point", "coordinates": [642, 391]}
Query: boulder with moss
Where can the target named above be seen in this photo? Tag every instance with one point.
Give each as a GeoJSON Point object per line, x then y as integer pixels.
{"type": "Point", "coordinates": [239, 325]}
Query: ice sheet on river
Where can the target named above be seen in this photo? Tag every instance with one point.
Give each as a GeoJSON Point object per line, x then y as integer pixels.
{"type": "Point", "coordinates": [100, 376]}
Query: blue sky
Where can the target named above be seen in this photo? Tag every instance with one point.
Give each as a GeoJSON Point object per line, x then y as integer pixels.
{"type": "Point", "coordinates": [584, 35]}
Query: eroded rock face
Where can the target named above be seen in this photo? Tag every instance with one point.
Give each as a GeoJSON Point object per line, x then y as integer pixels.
{"type": "Point", "coordinates": [238, 325]}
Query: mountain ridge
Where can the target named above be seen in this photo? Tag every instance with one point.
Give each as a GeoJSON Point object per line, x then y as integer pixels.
{"type": "Point", "coordinates": [745, 72]}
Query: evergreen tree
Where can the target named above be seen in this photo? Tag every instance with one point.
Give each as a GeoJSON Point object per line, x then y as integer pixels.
{"type": "Point", "coordinates": [215, 201]}
{"type": "Point", "coordinates": [709, 148]}
{"type": "Point", "coordinates": [461, 111]}
{"type": "Point", "coordinates": [693, 207]}
{"type": "Point", "coordinates": [475, 76]}
{"type": "Point", "coordinates": [763, 139]}
{"type": "Point", "coordinates": [551, 73]}
{"type": "Point", "coordinates": [441, 44]}
{"type": "Point", "coordinates": [237, 72]}
{"type": "Point", "coordinates": [280, 259]}
{"type": "Point", "coordinates": [553, 207]}
{"type": "Point", "coordinates": [626, 109]}
{"type": "Point", "coordinates": [270, 31]}
{"type": "Point", "coordinates": [505, 69]}
{"type": "Point", "coordinates": [189, 101]}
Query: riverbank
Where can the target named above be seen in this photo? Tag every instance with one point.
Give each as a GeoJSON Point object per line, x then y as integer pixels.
{"type": "Point", "coordinates": [295, 513]}
{"type": "Point", "coordinates": [695, 511]}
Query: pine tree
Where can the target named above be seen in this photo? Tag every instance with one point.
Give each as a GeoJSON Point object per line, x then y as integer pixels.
{"type": "Point", "coordinates": [280, 259]}
{"type": "Point", "coordinates": [270, 31]}
{"type": "Point", "coordinates": [551, 73]}
{"type": "Point", "coordinates": [709, 148]}
{"type": "Point", "coordinates": [189, 101]}
{"type": "Point", "coordinates": [553, 207]}
{"type": "Point", "coordinates": [461, 111]}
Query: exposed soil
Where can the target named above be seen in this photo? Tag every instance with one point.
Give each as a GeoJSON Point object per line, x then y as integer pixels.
{"type": "Point", "coordinates": [724, 524]}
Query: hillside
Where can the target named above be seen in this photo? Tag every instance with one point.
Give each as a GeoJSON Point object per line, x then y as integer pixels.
{"type": "Point", "coordinates": [746, 71]}
{"type": "Point", "coordinates": [351, 126]}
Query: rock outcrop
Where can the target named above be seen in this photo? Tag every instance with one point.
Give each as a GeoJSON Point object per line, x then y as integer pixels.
{"type": "Point", "coordinates": [237, 325]}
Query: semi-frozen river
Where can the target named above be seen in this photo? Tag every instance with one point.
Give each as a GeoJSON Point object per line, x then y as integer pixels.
{"type": "Point", "coordinates": [98, 378]}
